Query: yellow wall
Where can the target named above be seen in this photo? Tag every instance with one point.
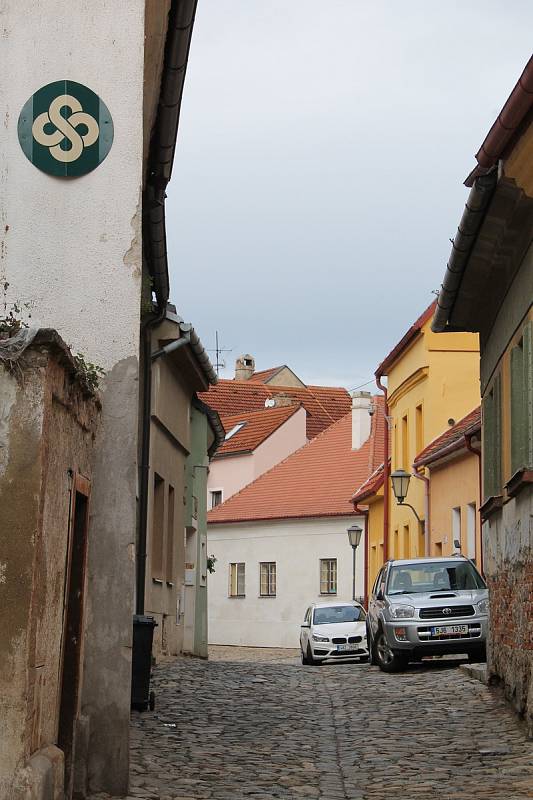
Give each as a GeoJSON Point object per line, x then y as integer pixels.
{"type": "Point", "coordinates": [375, 536]}
{"type": "Point", "coordinates": [455, 485]}
{"type": "Point", "coordinates": [438, 375]}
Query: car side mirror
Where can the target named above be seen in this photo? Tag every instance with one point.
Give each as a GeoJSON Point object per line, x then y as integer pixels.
{"type": "Point", "coordinates": [305, 625]}
{"type": "Point", "coordinates": [379, 595]}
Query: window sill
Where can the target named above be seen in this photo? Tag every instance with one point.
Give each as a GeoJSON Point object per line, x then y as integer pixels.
{"type": "Point", "coordinates": [236, 596]}
{"type": "Point", "coordinates": [267, 596]}
{"type": "Point", "coordinates": [157, 582]}
{"type": "Point", "coordinates": [522, 477]}
{"type": "Point", "coordinates": [491, 506]}
{"type": "Point", "coordinates": [328, 594]}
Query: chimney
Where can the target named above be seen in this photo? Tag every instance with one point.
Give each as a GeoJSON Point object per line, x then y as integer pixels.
{"type": "Point", "coordinates": [283, 399]}
{"type": "Point", "coordinates": [361, 418]}
{"type": "Point", "coordinates": [244, 367]}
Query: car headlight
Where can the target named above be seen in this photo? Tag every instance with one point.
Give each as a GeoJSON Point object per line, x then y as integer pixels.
{"type": "Point", "coordinates": [483, 606]}
{"type": "Point", "coordinates": [319, 638]}
{"type": "Point", "coordinates": [402, 612]}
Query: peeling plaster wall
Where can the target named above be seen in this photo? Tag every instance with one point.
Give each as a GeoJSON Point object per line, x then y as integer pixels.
{"type": "Point", "coordinates": [73, 249]}
{"type": "Point", "coordinates": [48, 428]}
{"type": "Point", "coordinates": [508, 559]}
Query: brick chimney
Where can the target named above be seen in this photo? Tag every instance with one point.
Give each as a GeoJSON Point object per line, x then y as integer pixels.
{"type": "Point", "coordinates": [361, 419]}
{"type": "Point", "coordinates": [244, 367]}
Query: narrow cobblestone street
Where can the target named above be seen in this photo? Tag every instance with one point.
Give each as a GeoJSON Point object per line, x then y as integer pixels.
{"type": "Point", "coordinates": [256, 724]}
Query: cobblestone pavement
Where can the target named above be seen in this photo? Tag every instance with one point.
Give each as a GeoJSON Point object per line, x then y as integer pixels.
{"type": "Point", "coordinates": [257, 725]}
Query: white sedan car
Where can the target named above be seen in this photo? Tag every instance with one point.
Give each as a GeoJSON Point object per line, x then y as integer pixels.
{"type": "Point", "coordinates": [335, 631]}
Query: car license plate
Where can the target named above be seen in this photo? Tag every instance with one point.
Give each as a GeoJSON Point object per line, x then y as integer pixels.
{"type": "Point", "coordinates": [344, 648]}
{"type": "Point", "coordinates": [449, 630]}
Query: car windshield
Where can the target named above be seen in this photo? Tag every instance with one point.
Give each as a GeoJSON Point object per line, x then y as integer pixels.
{"type": "Point", "coordinates": [332, 614]}
{"type": "Point", "coordinates": [436, 576]}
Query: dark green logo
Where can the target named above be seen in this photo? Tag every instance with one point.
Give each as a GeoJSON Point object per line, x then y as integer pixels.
{"type": "Point", "coordinates": [65, 129]}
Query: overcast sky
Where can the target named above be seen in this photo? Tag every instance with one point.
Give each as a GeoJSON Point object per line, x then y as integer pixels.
{"type": "Point", "coordinates": [319, 167]}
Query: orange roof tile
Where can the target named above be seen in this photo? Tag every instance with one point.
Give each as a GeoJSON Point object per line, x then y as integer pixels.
{"type": "Point", "coordinates": [315, 481]}
{"type": "Point", "coordinates": [451, 440]}
{"type": "Point", "coordinates": [263, 375]}
{"type": "Point", "coordinates": [259, 425]}
{"type": "Point", "coordinates": [406, 339]}
{"type": "Point", "coordinates": [324, 404]}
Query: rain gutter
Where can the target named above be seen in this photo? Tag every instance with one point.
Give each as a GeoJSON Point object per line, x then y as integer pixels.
{"type": "Point", "coordinates": [386, 467]}
{"type": "Point", "coordinates": [215, 423]}
{"type": "Point", "coordinates": [462, 246]}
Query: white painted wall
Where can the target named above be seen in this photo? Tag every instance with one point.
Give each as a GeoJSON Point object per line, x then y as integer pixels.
{"type": "Point", "coordinates": [232, 473]}
{"type": "Point", "coordinates": [72, 246]}
{"type": "Point", "coordinates": [297, 547]}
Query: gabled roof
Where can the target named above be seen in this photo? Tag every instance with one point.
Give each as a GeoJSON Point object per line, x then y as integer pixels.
{"type": "Point", "coordinates": [406, 339]}
{"type": "Point", "coordinates": [324, 404]}
{"type": "Point", "coordinates": [264, 375]}
{"type": "Point", "coordinates": [258, 426]}
{"type": "Point", "coordinates": [369, 488]}
{"type": "Point", "coordinates": [315, 481]}
{"type": "Point", "coordinates": [451, 440]}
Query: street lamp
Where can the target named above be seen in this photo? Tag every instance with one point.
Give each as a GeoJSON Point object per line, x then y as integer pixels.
{"type": "Point", "coordinates": [354, 537]}
{"type": "Point", "coordinates": [400, 484]}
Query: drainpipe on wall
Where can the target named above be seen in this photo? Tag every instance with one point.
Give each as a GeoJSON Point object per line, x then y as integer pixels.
{"type": "Point", "coordinates": [471, 449]}
{"type": "Point", "coordinates": [364, 514]}
{"type": "Point", "coordinates": [386, 471]}
{"type": "Point", "coordinates": [427, 512]}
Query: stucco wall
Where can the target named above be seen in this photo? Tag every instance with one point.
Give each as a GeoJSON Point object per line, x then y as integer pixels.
{"type": "Point", "coordinates": [454, 484]}
{"type": "Point", "coordinates": [73, 249]}
{"type": "Point", "coordinates": [297, 547]}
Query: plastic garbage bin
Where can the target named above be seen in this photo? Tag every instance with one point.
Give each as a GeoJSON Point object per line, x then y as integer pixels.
{"type": "Point", "coordinates": [141, 663]}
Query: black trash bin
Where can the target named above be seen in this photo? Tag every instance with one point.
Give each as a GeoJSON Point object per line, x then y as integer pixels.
{"type": "Point", "coordinates": [141, 663]}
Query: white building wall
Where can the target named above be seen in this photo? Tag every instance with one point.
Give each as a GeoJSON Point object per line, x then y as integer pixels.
{"type": "Point", "coordinates": [297, 547]}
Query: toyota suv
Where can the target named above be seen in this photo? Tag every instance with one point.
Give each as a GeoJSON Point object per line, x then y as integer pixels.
{"type": "Point", "coordinates": [426, 607]}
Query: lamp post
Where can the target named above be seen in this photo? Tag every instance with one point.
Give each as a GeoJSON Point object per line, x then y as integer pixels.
{"type": "Point", "coordinates": [354, 537]}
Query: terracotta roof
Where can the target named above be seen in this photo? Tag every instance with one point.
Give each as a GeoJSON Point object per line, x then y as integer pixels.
{"type": "Point", "coordinates": [265, 374]}
{"type": "Point", "coordinates": [451, 440]}
{"type": "Point", "coordinates": [406, 339]}
{"type": "Point", "coordinates": [324, 404]}
{"type": "Point", "coordinates": [372, 485]}
{"type": "Point", "coordinates": [259, 425]}
{"type": "Point", "coordinates": [316, 481]}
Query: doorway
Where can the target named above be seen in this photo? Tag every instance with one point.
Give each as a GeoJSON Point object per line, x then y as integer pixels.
{"type": "Point", "coordinates": [73, 632]}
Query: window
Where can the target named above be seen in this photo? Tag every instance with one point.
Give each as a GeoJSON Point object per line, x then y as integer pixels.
{"type": "Point", "coordinates": [406, 542]}
{"type": "Point", "coordinates": [267, 579]}
{"type": "Point", "coordinates": [158, 531]}
{"type": "Point", "coordinates": [169, 566]}
{"type": "Point", "coordinates": [471, 530]}
{"type": "Point", "coordinates": [522, 401]}
{"type": "Point", "coordinates": [492, 444]}
{"type": "Point", "coordinates": [236, 428]}
{"type": "Point", "coordinates": [456, 527]}
{"type": "Point", "coordinates": [405, 444]}
{"type": "Point", "coordinates": [419, 428]}
{"type": "Point", "coordinates": [216, 497]}
{"type": "Point", "coordinates": [328, 576]}
{"type": "Point", "coordinates": [236, 580]}
{"type": "Point", "coordinates": [395, 550]}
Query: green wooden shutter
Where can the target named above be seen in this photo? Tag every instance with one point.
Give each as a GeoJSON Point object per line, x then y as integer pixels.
{"type": "Point", "coordinates": [528, 394]}
{"type": "Point", "coordinates": [518, 408]}
{"type": "Point", "coordinates": [492, 444]}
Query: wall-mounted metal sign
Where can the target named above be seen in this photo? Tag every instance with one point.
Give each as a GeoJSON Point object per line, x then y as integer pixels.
{"type": "Point", "coordinates": [65, 129]}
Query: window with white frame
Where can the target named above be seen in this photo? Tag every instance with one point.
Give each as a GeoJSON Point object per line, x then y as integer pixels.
{"type": "Point", "coordinates": [267, 579]}
{"type": "Point", "coordinates": [236, 580]}
{"type": "Point", "coordinates": [216, 497]}
{"type": "Point", "coordinates": [328, 576]}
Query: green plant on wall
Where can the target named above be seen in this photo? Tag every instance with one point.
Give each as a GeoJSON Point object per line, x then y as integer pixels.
{"type": "Point", "coordinates": [91, 373]}
{"type": "Point", "coordinates": [11, 318]}
{"type": "Point", "coordinates": [211, 561]}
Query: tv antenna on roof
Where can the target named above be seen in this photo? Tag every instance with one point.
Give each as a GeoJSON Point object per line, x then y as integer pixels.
{"type": "Point", "coordinates": [219, 362]}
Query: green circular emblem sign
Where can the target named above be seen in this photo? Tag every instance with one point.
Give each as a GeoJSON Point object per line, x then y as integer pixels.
{"type": "Point", "coordinates": [65, 129]}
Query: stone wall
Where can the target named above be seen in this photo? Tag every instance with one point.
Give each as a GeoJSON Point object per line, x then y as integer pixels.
{"type": "Point", "coordinates": [508, 558]}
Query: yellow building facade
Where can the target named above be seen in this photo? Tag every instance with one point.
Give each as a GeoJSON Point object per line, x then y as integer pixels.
{"type": "Point", "coordinates": [432, 381]}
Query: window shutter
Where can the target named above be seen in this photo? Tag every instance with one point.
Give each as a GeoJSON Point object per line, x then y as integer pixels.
{"type": "Point", "coordinates": [518, 417]}
{"type": "Point", "coordinates": [492, 445]}
{"type": "Point", "coordinates": [528, 394]}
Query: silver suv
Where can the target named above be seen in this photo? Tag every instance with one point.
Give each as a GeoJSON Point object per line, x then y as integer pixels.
{"type": "Point", "coordinates": [425, 607]}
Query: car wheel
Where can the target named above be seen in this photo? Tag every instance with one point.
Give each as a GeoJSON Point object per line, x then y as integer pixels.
{"type": "Point", "coordinates": [370, 646]}
{"type": "Point", "coordinates": [387, 659]}
{"type": "Point", "coordinates": [478, 656]}
{"type": "Point", "coordinates": [313, 662]}
{"type": "Point", "coordinates": [304, 657]}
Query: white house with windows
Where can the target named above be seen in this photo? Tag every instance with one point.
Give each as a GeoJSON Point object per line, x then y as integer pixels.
{"type": "Point", "coordinates": [281, 543]}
